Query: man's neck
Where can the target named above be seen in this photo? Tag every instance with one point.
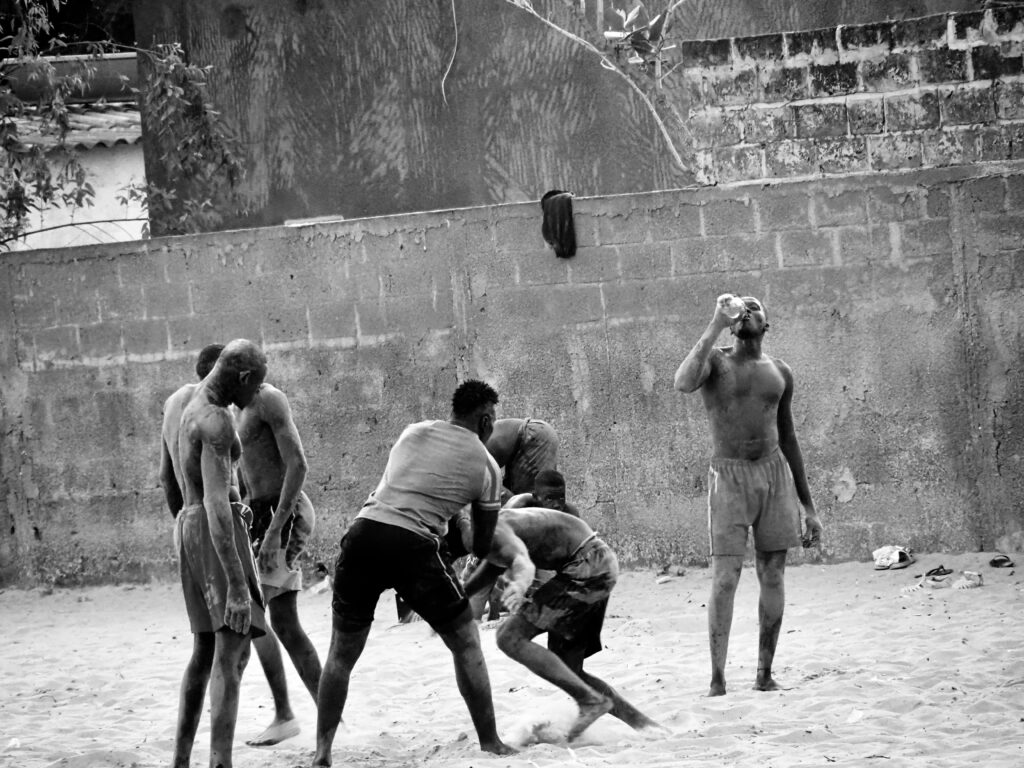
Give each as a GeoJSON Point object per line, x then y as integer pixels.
{"type": "Point", "coordinates": [747, 349]}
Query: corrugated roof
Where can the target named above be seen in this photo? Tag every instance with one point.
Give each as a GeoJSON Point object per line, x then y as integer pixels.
{"type": "Point", "coordinates": [90, 125]}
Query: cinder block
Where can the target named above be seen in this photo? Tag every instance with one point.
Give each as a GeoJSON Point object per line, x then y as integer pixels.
{"type": "Point", "coordinates": [633, 298]}
{"type": "Point", "coordinates": [842, 155]}
{"type": "Point", "coordinates": [713, 128]}
{"type": "Point", "coordinates": [1009, 100]}
{"type": "Point", "coordinates": [121, 302]}
{"type": "Point", "coordinates": [889, 203]}
{"type": "Point", "coordinates": [817, 44]}
{"type": "Point", "coordinates": [834, 79]}
{"type": "Point", "coordinates": [739, 163]}
{"type": "Point", "coordinates": [860, 36]}
{"type": "Point", "coordinates": [57, 343]}
{"type": "Point", "coordinates": [1007, 18]}
{"type": "Point", "coordinates": [674, 222]}
{"type": "Point", "coordinates": [986, 195]}
{"type": "Point", "coordinates": [649, 260]}
{"type": "Point", "coordinates": [784, 84]}
{"type": "Point", "coordinates": [103, 340]}
{"type": "Point", "coordinates": [925, 238]}
{"type": "Point", "coordinates": [892, 72]}
{"type": "Point", "coordinates": [968, 25]}
{"type": "Point", "coordinates": [860, 246]}
{"type": "Point", "coordinates": [148, 337]}
{"type": "Point", "coordinates": [760, 48]}
{"type": "Point", "coordinates": [595, 265]}
{"type": "Point", "coordinates": [285, 323]}
{"type": "Point", "coordinates": [895, 151]}
{"type": "Point", "coordinates": [911, 112]}
{"type": "Point", "coordinates": [542, 267]}
{"type": "Point", "coordinates": [937, 202]}
{"type": "Point", "coordinates": [478, 235]}
{"type": "Point", "coordinates": [420, 313]}
{"type": "Point", "coordinates": [816, 121]}
{"type": "Point", "coordinates": [332, 321]}
{"type": "Point", "coordinates": [967, 106]}
{"type": "Point", "coordinates": [520, 233]}
{"type": "Point", "coordinates": [767, 124]}
{"type": "Point", "coordinates": [190, 334]}
{"type": "Point", "coordinates": [950, 146]}
{"type": "Point", "coordinates": [784, 159]}
{"type": "Point", "coordinates": [628, 227]}
{"type": "Point", "coordinates": [923, 32]}
{"type": "Point", "coordinates": [847, 207]}
{"type": "Point", "coordinates": [167, 300]}
{"type": "Point", "coordinates": [783, 211]}
{"type": "Point", "coordinates": [990, 62]}
{"type": "Point", "coordinates": [942, 65]}
{"type": "Point", "coordinates": [1015, 192]}
{"type": "Point", "coordinates": [731, 86]}
{"type": "Point", "coordinates": [802, 248]}
{"type": "Point", "coordinates": [705, 53]}
{"type": "Point", "coordinates": [994, 143]}
{"type": "Point", "coordinates": [728, 217]}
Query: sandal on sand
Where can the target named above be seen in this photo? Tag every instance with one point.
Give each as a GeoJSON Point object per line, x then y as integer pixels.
{"type": "Point", "coordinates": [891, 558]}
{"type": "Point", "coordinates": [970, 580]}
{"type": "Point", "coordinates": [928, 582]}
{"type": "Point", "coordinates": [940, 571]}
{"type": "Point", "coordinates": [1001, 561]}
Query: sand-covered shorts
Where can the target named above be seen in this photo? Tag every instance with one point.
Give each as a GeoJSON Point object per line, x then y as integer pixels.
{"type": "Point", "coordinates": [760, 494]}
{"type": "Point", "coordinates": [286, 575]}
{"type": "Point", "coordinates": [203, 581]}
{"type": "Point", "coordinates": [571, 605]}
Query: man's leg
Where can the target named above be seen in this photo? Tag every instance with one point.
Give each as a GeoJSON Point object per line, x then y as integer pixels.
{"type": "Point", "coordinates": [771, 571]}
{"type": "Point", "coordinates": [515, 639]}
{"type": "Point", "coordinates": [230, 656]}
{"type": "Point", "coordinates": [190, 701]}
{"type": "Point", "coordinates": [725, 575]}
{"type": "Point", "coordinates": [284, 617]}
{"type": "Point", "coordinates": [463, 640]}
{"type": "Point", "coordinates": [346, 647]}
{"type": "Point", "coordinates": [284, 725]}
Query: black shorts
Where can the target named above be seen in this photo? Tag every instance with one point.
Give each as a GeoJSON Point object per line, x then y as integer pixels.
{"type": "Point", "coordinates": [376, 556]}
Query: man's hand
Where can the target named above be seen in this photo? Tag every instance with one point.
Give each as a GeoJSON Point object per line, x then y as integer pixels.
{"type": "Point", "coordinates": [812, 528]}
{"type": "Point", "coordinates": [513, 596]}
{"type": "Point", "coordinates": [237, 611]}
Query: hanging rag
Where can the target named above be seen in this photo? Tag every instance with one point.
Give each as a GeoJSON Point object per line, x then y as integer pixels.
{"type": "Point", "coordinates": [557, 229]}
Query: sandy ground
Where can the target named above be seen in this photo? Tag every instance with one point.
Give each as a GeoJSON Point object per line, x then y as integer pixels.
{"type": "Point", "coordinates": [874, 676]}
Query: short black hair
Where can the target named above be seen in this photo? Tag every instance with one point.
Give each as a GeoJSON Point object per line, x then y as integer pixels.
{"type": "Point", "coordinates": [551, 478]}
{"type": "Point", "coordinates": [207, 359]}
{"type": "Point", "coordinates": [471, 395]}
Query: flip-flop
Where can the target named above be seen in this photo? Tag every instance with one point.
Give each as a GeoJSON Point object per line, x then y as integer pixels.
{"type": "Point", "coordinates": [940, 571]}
{"type": "Point", "coordinates": [1001, 561]}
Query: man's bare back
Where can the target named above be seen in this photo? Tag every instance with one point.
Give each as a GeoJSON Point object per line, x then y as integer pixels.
{"type": "Point", "coordinates": [552, 537]}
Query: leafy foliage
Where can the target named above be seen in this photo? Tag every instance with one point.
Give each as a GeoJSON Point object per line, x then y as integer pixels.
{"type": "Point", "coordinates": [194, 146]}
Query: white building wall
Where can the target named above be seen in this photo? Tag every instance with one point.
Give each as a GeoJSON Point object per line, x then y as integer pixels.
{"type": "Point", "coordinates": [110, 169]}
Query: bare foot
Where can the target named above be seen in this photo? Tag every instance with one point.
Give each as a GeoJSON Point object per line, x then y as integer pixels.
{"type": "Point", "coordinates": [497, 747]}
{"type": "Point", "coordinates": [717, 689]}
{"type": "Point", "coordinates": [588, 714]}
{"type": "Point", "coordinates": [276, 732]}
{"type": "Point", "coordinates": [768, 684]}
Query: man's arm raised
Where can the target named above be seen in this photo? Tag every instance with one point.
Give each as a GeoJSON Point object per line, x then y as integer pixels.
{"type": "Point", "coordinates": [696, 366]}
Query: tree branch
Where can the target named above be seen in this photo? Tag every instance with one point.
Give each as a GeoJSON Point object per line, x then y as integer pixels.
{"type": "Point", "coordinates": [22, 235]}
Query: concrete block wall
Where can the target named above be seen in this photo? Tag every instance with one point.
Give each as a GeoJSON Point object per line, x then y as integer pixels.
{"type": "Point", "coordinates": [895, 298]}
{"type": "Point", "coordinates": [938, 91]}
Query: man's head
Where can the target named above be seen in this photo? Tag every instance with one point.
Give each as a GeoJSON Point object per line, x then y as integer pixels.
{"type": "Point", "coordinates": [473, 407]}
{"type": "Point", "coordinates": [549, 489]}
{"type": "Point", "coordinates": [207, 359]}
{"type": "Point", "coordinates": [753, 323]}
{"type": "Point", "coordinates": [241, 367]}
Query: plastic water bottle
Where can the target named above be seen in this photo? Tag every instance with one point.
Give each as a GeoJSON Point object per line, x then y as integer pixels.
{"type": "Point", "coordinates": [732, 306]}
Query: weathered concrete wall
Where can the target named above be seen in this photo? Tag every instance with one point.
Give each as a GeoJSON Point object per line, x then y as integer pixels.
{"type": "Point", "coordinates": [894, 297]}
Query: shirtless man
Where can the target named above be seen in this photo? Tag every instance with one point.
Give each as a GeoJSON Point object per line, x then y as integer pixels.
{"type": "Point", "coordinates": [548, 492]}
{"type": "Point", "coordinates": [756, 479]}
{"type": "Point", "coordinates": [218, 573]}
{"type": "Point", "coordinates": [174, 406]}
{"type": "Point", "coordinates": [522, 448]}
{"type": "Point", "coordinates": [569, 606]}
{"type": "Point", "coordinates": [273, 469]}
{"type": "Point", "coordinates": [397, 542]}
